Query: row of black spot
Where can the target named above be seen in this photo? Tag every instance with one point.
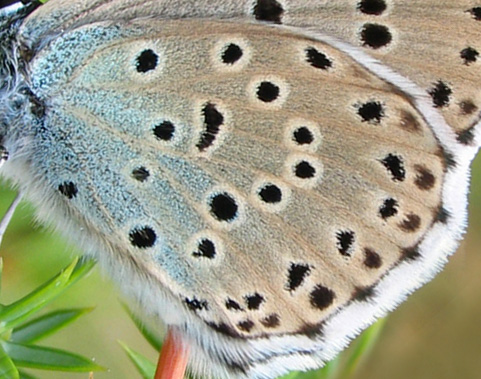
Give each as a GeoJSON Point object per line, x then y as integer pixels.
{"type": "Point", "coordinates": [409, 224]}
{"type": "Point", "coordinates": [268, 92]}
{"type": "Point", "coordinates": [213, 119]}
{"type": "Point", "coordinates": [320, 298]}
{"type": "Point", "coordinates": [272, 10]}
{"type": "Point", "coordinates": [252, 302]}
{"type": "Point", "coordinates": [345, 243]}
{"type": "Point", "coordinates": [374, 111]}
{"type": "Point", "coordinates": [376, 36]}
{"type": "Point", "coordinates": [224, 208]}
{"type": "Point", "coordinates": [270, 321]}
{"type": "Point", "coordinates": [394, 163]}
{"type": "Point", "coordinates": [145, 237]}
{"type": "Point", "coordinates": [372, 35]}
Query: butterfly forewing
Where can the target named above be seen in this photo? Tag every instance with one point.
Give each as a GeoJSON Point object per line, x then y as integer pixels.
{"type": "Point", "coordinates": [433, 43]}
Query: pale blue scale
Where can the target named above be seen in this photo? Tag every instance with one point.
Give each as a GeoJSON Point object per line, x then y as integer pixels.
{"type": "Point", "coordinates": [132, 114]}
{"type": "Point", "coordinates": [195, 181]}
{"type": "Point", "coordinates": [104, 162]}
{"type": "Point", "coordinates": [96, 165]}
{"type": "Point", "coordinates": [174, 264]}
{"type": "Point", "coordinates": [66, 53]}
{"type": "Point", "coordinates": [68, 136]}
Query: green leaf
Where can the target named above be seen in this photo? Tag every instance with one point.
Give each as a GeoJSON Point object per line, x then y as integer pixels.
{"type": "Point", "coordinates": [292, 375]}
{"type": "Point", "coordinates": [17, 312]}
{"type": "Point", "coordinates": [1, 272]}
{"type": "Point", "coordinates": [331, 369]}
{"type": "Point", "coordinates": [82, 268]}
{"type": "Point", "coordinates": [363, 347]}
{"type": "Point", "coordinates": [47, 358]}
{"type": "Point", "coordinates": [24, 375]}
{"type": "Point", "coordinates": [151, 336]}
{"type": "Point", "coordinates": [46, 325]}
{"type": "Point", "coordinates": [7, 367]}
{"type": "Point", "coordinates": [145, 367]}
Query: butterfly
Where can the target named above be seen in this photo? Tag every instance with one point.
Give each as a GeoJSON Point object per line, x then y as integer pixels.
{"type": "Point", "coordinates": [266, 177]}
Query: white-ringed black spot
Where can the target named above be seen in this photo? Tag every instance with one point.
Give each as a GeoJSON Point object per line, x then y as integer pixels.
{"type": "Point", "coordinates": [321, 297]}
{"type": "Point", "coordinates": [164, 131]}
{"type": "Point", "coordinates": [372, 7]}
{"type": "Point", "coordinates": [395, 165]}
{"type": "Point", "coordinates": [268, 10]}
{"type": "Point", "coordinates": [425, 180]}
{"type": "Point", "coordinates": [345, 241]}
{"type": "Point", "coordinates": [233, 305]}
{"type": "Point", "coordinates": [317, 59]}
{"type": "Point", "coordinates": [206, 249]}
{"type": "Point", "coordinates": [271, 321]}
{"type": "Point", "coordinates": [231, 54]}
{"type": "Point", "coordinates": [142, 237]}
{"type": "Point", "coordinates": [304, 170]}
{"type": "Point", "coordinates": [254, 301]}
{"type": "Point", "coordinates": [476, 12]}
{"type": "Point", "coordinates": [147, 61]}
{"type": "Point", "coordinates": [140, 173]}
{"type": "Point", "coordinates": [68, 189]}
{"type": "Point", "coordinates": [270, 193]}
{"type": "Point", "coordinates": [372, 259]}
{"type": "Point", "coordinates": [296, 275]}
{"type": "Point", "coordinates": [268, 92]}
{"type": "Point", "coordinates": [411, 223]}
{"type": "Point", "coordinates": [223, 207]}
{"type": "Point", "coordinates": [389, 208]}
{"type": "Point", "coordinates": [441, 94]}
{"type": "Point", "coordinates": [196, 305]}
{"type": "Point", "coordinates": [246, 325]}
{"type": "Point", "coordinates": [303, 136]}
{"type": "Point", "coordinates": [469, 55]}
{"type": "Point", "coordinates": [213, 119]}
{"type": "Point", "coordinates": [375, 36]}
{"type": "Point", "coordinates": [372, 111]}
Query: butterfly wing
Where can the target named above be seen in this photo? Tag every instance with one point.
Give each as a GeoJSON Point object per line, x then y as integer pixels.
{"type": "Point", "coordinates": [432, 43]}
{"type": "Point", "coordinates": [267, 189]}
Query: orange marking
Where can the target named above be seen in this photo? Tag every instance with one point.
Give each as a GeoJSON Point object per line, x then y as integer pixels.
{"type": "Point", "coordinates": [173, 358]}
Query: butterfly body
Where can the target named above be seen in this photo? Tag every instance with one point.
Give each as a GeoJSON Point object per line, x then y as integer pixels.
{"type": "Point", "coordinates": [248, 171]}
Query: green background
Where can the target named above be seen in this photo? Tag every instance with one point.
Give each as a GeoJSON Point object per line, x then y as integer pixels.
{"type": "Point", "coordinates": [435, 334]}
